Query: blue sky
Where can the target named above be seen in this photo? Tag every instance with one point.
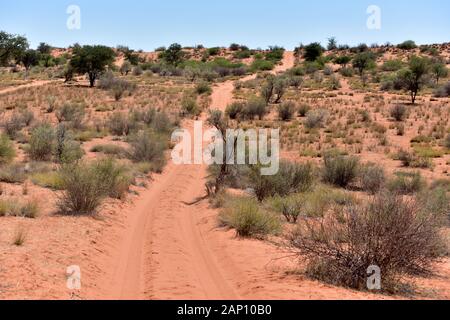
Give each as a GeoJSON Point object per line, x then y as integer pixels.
{"type": "Point", "coordinates": [147, 24]}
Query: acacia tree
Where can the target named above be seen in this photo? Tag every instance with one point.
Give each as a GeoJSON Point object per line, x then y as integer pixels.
{"type": "Point", "coordinates": [11, 47]}
{"type": "Point", "coordinates": [343, 61]}
{"type": "Point", "coordinates": [413, 78]}
{"type": "Point", "coordinates": [362, 62]}
{"type": "Point", "coordinates": [439, 71]}
{"type": "Point", "coordinates": [29, 59]}
{"type": "Point", "coordinates": [44, 48]}
{"type": "Point", "coordinates": [91, 60]}
{"type": "Point", "coordinates": [312, 51]}
{"type": "Point", "coordinates": [173, 55]}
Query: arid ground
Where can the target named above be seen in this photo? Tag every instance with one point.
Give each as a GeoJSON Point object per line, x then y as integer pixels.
{"type": "Point", "coordinates": [161, 237]}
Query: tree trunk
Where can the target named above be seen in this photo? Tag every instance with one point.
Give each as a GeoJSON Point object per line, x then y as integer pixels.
{"type": "Point", "coordinates": [91, 80]}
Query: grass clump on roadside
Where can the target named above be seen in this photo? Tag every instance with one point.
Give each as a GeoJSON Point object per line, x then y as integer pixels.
{"type": "Point", "coordinates": [86, 185]}
{"type": "Point", "coordinates": [248, 219]}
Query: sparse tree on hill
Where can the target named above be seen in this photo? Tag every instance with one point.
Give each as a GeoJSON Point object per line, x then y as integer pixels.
{"type": "Point", "coordinates": [44, 48]}
{"type": "Point", "coordinates": [312, 51]}
{"type": "Point", "coordinates": [173, 55]}
{"type": "Point", "coordinates": [332, 44]}
{"type": "Point", "coordinates": [91, 60]}
{"type": "Point", "coordinates": [439, 71]}
{"type": "Point", "coordinates": [29, 59]}
{"type": "Point", "coordinates": [412, 79]}
{"type": "Point", "coordinates": [362, 62]}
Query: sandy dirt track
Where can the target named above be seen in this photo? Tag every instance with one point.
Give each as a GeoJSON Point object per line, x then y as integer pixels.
{"type": "Point", "coordinates": [164, 254]}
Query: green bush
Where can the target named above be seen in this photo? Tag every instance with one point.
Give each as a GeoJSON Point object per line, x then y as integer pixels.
{"type": "Point", "coordinates": [189, 107]}
{"type": "Point", "coordinates": [407, 45]}
{"type": "Point", "coordinates": [235, 110]}
{"type": "Point", "coordinates": [203, 88]}
{"type": "Point", "coordinates": [249, 220]}
{"type": "Point", "coordinates": [147, 147]}
{"type": "Point", "coordinates": [255, 107]}
{"type": "Point", "coordinates": [340, 170]}
{"type": "Point", "coordinates": [114, 179]}
{"type": "Point", "coordinates": [7, 151]}
{"type": "Point", "coordinates": [83, 191]}
{"type": "Point", "coordinates": [41, 144]}
{"type": "Point", "coordinates": [291, 178]}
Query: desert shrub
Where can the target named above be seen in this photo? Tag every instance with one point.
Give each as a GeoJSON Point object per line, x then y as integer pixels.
{"type": "Point", "coordinates": [203, 88]}
{"type": "Point", "coordinates": [249, 220]}
{"type": "Point", "coordinates": [7, 151]}
{"type": "Point", "coordinates": [161, 123]}
{"type": "Point", "coordinates": [342, 246]}
{"type": "Point", "coordinates": [13, 125]}
{"type": "Point", "coordinates": [71, 112]}
{"type": "Point", "coordinates": [280, 86]}
{"type": "Point", "coordinates": [340, 170]}
{"type": "Point", "coordinates": [346, 72]}
{"type": "Point", "coordinates": [12, 173]}
{"type": "Point", "coordinates": [109, 149]}
{"type": "Point", "coordinates": [406, 183]}
{"type": "Point", "coordinates": [291, 178]}
{"type": "Point", "coordinates": [234, 110]}
{"type": "Point", "coordinates": [335, 83]}
{"type": "Point", "coordinates": [66, 150]}
{"type": "Point", "coordinates": [447, 141]}
{"type": "Point", "coordinates": [29, 210]}
{"type": "Point", "coordinates": [255, 107]}
{"type": "Point", "coordinates": [262, 65]}
{"type": "Point", "coordinates": [147, 147]}
{"type": "Point", "coordinates": [189, 107]}
{"type": "Point", "coordinates": [289, 207]}
{"type": "Point", "coordinates": [443, 91]}
{"type": "Point", "coordinates": [119, 124]}
{"type": "Point", "coordinates": [410, 160]}
{"type": "Point", "coordinates": [295, 81]}
{"type": "Point", "coordinates": [286, 111]}
{"type": "Point", "coordinates": [114, 179]}
{"type": "Point", "coordinates": [27, 117]}
{"type": "Point", "coordinates": [392, 65]}
{"type": "Point", "coordinates": [313, 203]}
{"type": "Point", "coordinates": [437, 201]}
{"type": "Point", "coordinates": [41, 143]}
{"type": "Point", "coordinates": [398, 112]}
{"type": "Point", "coordinates": [316, 118]}
{"type": "Point", "coordinates": [83, 190]}
{"type": "Point", "coordinates": [137, 71]}
{"type": "Point", "coordinates": [117, 86]}
{"type": "Point", "coordinates": [371, 177]}
{"type": "Point", "coordinates": [303, 110]}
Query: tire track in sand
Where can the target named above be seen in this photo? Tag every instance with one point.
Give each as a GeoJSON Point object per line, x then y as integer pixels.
{"type": "Point", "coordinates": [164, 254]}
